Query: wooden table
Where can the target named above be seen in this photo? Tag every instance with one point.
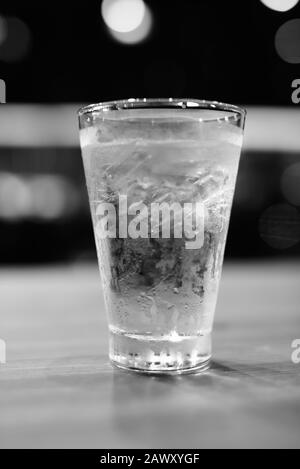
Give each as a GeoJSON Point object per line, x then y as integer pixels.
{"type": "Point", "coordinates": [58, 390]}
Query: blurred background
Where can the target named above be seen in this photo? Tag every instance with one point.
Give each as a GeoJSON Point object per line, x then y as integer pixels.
{"type": "Point", "coordinates": [57, 56]}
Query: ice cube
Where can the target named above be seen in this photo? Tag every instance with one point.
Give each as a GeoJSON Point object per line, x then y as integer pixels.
{"type": "Point", "coordinates": [211, 183]}
{"type": "Point", "coordinates": [88, 136]}
{"type": "Point", "coordinates": [126, 172]}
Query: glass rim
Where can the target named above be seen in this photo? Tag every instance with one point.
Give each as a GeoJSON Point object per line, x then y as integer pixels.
{"type": "Point", "coordinates": [164, 103]}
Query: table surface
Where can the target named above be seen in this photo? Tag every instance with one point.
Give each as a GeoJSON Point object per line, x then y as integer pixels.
{"type": "Point", "coordinates": [58, 389]}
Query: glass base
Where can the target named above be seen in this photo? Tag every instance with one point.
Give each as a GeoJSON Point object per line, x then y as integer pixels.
{"type": "Point", "coordinates": [173, 354]}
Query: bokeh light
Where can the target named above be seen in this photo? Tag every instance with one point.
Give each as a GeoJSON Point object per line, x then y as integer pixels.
{"type": "Point", "coordinates": [15, 197]}
{"type": "Point", "coordinates": [279, 226]}
{"type": "Point", "coordinates": [49, 196]}
{"type": "Point", "coordinates": [128, 21]}
{"type": "Point", "coordinates": [123, 16]}
{"type": "Point", "coordinates": [280, 5]}
{"type": "Point", "coordinates": [45, 196]}
{"type": "Point", "coordinates": [290, 184]}
{"type": "Point", "coordinates": [16, 44]}
{"type": "Point", "coordinates": [287, 41]}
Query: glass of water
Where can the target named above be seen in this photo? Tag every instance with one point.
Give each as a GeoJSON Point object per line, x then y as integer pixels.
{"type": "Point", "coordinates": [161, 176]}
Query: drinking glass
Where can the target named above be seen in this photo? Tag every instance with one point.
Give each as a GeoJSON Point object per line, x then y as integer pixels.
{"type": "Point", "coordinates": [161, 176]}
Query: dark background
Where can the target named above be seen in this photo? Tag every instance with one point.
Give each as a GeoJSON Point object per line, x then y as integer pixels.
{"type": "Point", "coordinates": [222, 50]}
{"type": "Point", "coordinates": [202, 49]}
